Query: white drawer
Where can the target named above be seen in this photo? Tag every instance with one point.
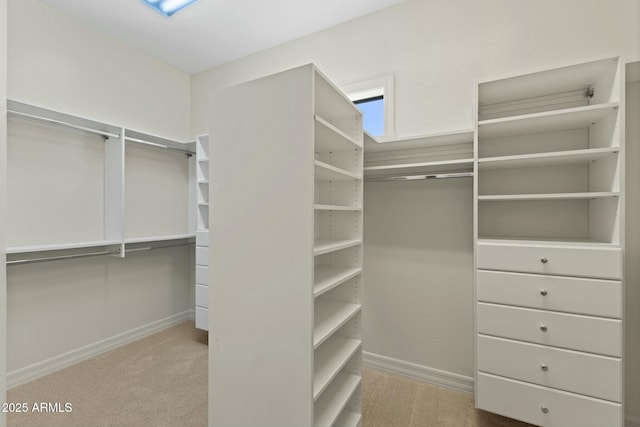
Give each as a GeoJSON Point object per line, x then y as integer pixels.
{"type": "Point", "coordinates": [527, 402]}
{"type": "Point", "coordinates": [202, 275]}
{"type": "Point", "coordinates": [202, 238]}
{"type": "Point", "coordinates": [576, 295]}
{"type": "Point", "coordinates": [202, 256]}
{"type": "Point", "coordinates": [202, 318]}
{"type": "Point", "coordinates": [593, 261]}
{"type": "Point", "coordinates": [202, 296]}
{"type": "Point", "coordinates": [595, 376]}
{"type": "Point", "coordinates": [571, 331]}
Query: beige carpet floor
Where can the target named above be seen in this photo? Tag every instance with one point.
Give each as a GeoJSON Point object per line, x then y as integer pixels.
{"type": "Point", "coordinates": [161, 381]}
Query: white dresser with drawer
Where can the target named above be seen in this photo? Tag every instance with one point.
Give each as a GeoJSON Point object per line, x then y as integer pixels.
{"type": "Point", "coordinates": [549, 249]}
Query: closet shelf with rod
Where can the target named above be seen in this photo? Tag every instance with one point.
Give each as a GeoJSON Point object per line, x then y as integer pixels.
{"type": "Point", "coordinates": [428, 154]}
{"type": "Point", "coordinates": [39, 128]}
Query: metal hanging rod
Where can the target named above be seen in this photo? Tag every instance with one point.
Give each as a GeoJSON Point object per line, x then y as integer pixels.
{"type": "Point", "coordinates": [432, 176]}
{"type": "Point", "coordinates": [59, 257]}
{"type": "Point", "coordinates": [155, 144]}
{"type": "Point", "coordinates": [91, 254]}
{"type": "Point", "coordinates": [61, 123]}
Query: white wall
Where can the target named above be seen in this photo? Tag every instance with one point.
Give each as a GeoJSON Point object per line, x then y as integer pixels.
{"type": "Point", "coordinates": [66, 307]}
{"type": "Point", "coordinates": [3, 168]}
{"type": "Point", "coordinates": [59, 63]}
{"type": "Point", "coordinates": [437, 50]}
{"type": "Point", "coordinates": [632, 269]}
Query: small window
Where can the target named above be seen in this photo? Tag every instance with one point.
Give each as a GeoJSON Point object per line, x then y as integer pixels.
{"type": "Point", "coordinates": [375, 99]}
{"type": "Point", "coordinates": [372, 114]}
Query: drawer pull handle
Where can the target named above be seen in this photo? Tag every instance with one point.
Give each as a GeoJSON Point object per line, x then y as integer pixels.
{"type": "Point", "coordinates": [543, 328]}
{"type": "Point", "coordinates": [544, 368]}
{"type": "Point", "coordinates": [544, 410]}
{"type": "Point", "coordinates": [544, 292]}
{"type": "Point", "coordinates": [544, 260]}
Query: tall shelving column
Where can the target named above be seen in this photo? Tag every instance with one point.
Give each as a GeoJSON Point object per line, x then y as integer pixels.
{"type": "Point", "coordinates": [202, 233]}
{"type": "Point", "coordinates": [286, 197]}
{"type": "Point", "coordinates": [337, 289]}
{"type": "Point", "coordinates": [549, 246]}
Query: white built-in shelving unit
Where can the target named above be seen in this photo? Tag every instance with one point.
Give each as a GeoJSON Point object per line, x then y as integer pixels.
{"type": "Point", "coordinates": [287, 260]}
{"type": "Point", "coordinates": [549, 203]}
{"type": "Point", "coordinates": [82, 207]}
{"type": "Point", "coordinates": [202, 233]}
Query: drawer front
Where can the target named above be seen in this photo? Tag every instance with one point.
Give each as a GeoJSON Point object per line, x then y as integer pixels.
{"type": "Point", "coordinates": [527, 402]}
{"type": "Point", "coordinates": [576, 295]}
{"type": "Point", "coordinates": [202, 238]}
{"type": "Point", "coordinates": [202, 256]}
{"type": "Point", "coordinates": [575, 332]}
{"type": "Point", "coordinates": [202, 296]}
{"type": "Point", "coordinates": [202, 318]}
{"type": "Point", "coordinates": [591, 375]}
{"type": "Point", "coordinates": [202, 275]}
{"type": "Point", "coordinates": [598, 262]}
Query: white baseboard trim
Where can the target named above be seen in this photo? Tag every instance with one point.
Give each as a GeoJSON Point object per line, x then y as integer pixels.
{"type": "Point", "coordinates": [48, 366]}
{"type": "Point", "coordinates": [192, 314]}
{"type": "Point", "coordinates": [419, 372]}
{"type": "Point", "coordinates": [632, 421]}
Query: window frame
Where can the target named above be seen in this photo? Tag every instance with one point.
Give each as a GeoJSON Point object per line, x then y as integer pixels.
{"type": "Point", "coordinates": [381, 86]}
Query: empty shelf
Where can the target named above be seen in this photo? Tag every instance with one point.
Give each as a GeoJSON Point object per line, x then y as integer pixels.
{"type": "Point", "coordinates": [404, 168]}
{"type": "Point", "coordinates": [546, 159]}
{"type": "Point", "coordinates": [348, 419]}
{"type": "Point", "coordinates": [329, 359]}
{"type": "Point", "coordinates": [329, 407]}
{"type": "Point", "coordinates": [323, 246]}
{"type": "Point", "coordinates": [376, 145]}
{"type": "Point", "coordinates": [329, 138]}
{"type": "Point", "coordinates": [321, 207]}
{"type": "Point", "coordinates": [549, 196]}
{"type": "Point", "coordinates": [159, 238]}
{"type": "Point", "coordinates": [326, 172]}
{"type": "Point", "coordinates": [548, 121]}
{"type": "Point", "coordinates": [61, 246]}
{"type": "Point", "coordinates": [327, 277]}
{"type": "Point", "coordinates": [329, 316]}
{"type": "Point", "coordinates": [543, 241]}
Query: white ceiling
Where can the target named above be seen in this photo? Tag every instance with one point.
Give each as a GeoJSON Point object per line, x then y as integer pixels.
{"type": "Point", "coordinates": [213, 32]}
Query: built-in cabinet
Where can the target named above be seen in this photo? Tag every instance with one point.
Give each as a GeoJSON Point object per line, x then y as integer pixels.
{"type": "Point", "coordinates": [202, 233]}
{"type": "Point", "coordinates": [549, 201]}
{"type": "Point", "coordinates": [286, 259]}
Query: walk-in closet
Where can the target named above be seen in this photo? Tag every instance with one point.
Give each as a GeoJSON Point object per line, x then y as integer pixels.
{"type": "Point", "coordinates": [382, 213]}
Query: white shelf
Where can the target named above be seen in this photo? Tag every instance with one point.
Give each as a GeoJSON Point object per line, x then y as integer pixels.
{"type": "Point", "coordinates": [320, 207]}
{"type": "Point", "coordinates": [203, 204]}
{"type": "Point", "coordinates": [379, 145]}
{"type": "Point", "coordinates": [549, 196]}
{"type": "Point", "coordinates": [159, 238]}
{"type": "Point", "coordinates": [449, 165]}
{"type": "Point", "coordinates": [549, 121]}
{"type": "Point", "coordinates": [327, 277]}
{"type": "Point", "coordinates": [329, 138]}
{"type": "Point", "coordinates": [329, 359]}
{"type": "Point", "coordinates": [348, 419]}
{"type": "Point", "coordinates": [329, 317]}
{"type": "Point", "coordinates": [330, 102]}
{"type": "Point", "coordinates": [546, 159]}
{"type": "Point", "coordinates": [326, 172]}
{"type": "Point", "coordinates": [61, 246]}
{"type": "Point", "coordinates": [329, 407]}
{"type": "Point", "coordinates": [203, 181]}
{"type": "Point", "coordinates": [529, 241]}
{"type": "Point", "coordinates": [323, 246]}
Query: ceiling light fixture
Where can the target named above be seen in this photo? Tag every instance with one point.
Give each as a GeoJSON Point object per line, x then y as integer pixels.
{"type": "Point", "coordinates": [168, 7]}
